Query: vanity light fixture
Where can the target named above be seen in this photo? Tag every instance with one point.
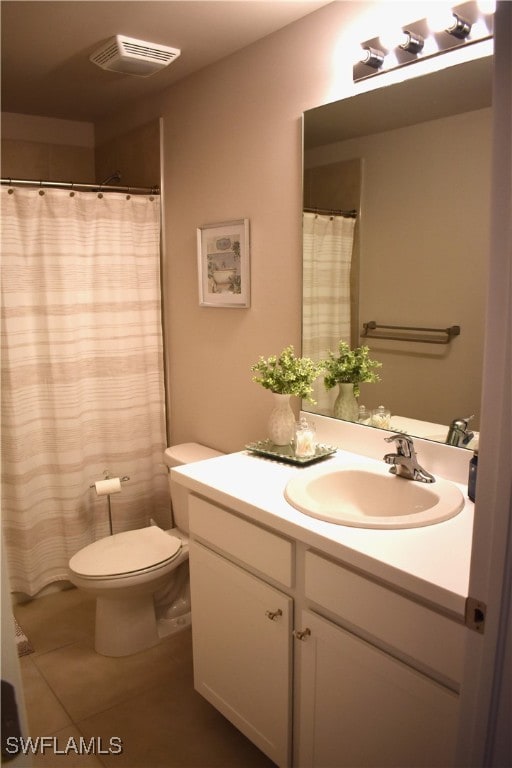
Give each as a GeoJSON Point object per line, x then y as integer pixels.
{"type": "Point", "coordinates": [413, 43]}
{"type": "Point", "coordinates": [460, 28]}
{"type": "Point", "coordinates": [447, 29]}
{"type": "Point", "coordinates": [487, 7]}
{"type": "Point", "coordinates": [372, 57]}
{"type": "Point", "coordinates": [442, 19]}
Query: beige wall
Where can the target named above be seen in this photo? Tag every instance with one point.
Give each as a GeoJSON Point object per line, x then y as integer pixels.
{"type": "Point", "coordinates": [48, 162]}
{"type": "Point", "coordinates": [336, 185]}
{"type": "Point", "coordinates": [135, 154]}
{"type": "Point", "coordinates": [47, 149]}
{"type": "Point", "coordinates": [232, 144]}
{"type": "Point", "coordinates": [42, 148]}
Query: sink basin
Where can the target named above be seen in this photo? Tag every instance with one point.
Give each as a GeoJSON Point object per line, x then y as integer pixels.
{"type": "Point", "coordinates": [364, 497]}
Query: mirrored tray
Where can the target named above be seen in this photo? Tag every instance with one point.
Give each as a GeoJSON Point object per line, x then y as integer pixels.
{"type": "Point", "coordinates": [287, 452]}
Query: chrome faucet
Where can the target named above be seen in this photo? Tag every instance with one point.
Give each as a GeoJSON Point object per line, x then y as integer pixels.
{"type": "Point", "coordinates": [404, 461]}
{"type": "Point", "coordinates": [458, 433]}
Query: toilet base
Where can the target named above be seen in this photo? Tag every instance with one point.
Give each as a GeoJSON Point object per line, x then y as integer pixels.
{"type": "Point", "coordinates": [125, 626]}
{"type": "Point", "coordinates": [167, 627]}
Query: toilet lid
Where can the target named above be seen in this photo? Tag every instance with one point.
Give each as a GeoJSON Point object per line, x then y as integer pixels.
{"type": "Point", "coordinates": [126, 552]}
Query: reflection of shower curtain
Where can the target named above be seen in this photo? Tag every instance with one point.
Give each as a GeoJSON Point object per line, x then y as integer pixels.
{"type": "Point", "coordinates": [82, 373]}
{"type": "Point", "coordinates": [327, 248]}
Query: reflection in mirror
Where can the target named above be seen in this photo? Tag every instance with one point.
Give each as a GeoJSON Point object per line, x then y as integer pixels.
{"type": "Point", "coordinates": [413, 159]}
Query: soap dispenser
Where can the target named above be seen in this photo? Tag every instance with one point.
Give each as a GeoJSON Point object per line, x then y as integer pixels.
{"type": "Point", "coordinates": [473, 468]}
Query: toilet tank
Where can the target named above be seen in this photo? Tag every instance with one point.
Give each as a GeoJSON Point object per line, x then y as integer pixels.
{"type": "Point", "coordinates": [177, 456]}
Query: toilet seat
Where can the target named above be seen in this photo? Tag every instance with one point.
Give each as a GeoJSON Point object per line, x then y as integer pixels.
{"type": "Point", "coordinates": [117, 556]}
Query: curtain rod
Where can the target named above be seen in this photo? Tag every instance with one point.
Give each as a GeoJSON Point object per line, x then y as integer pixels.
{"type": "Point", "coordinates": [328, 212]}
{"type": "Point", "coordinates": [71, 185]}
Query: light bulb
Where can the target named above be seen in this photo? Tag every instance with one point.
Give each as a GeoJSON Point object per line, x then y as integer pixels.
{"type": "Point", "coordinates": [487, 7]}
{"type": "Point", "coordinates": [392, 38]}
{"type": "Point", "coordinates": [357, 54]}
{"type": "Point", "coordinates": [439, 18]}
{"type": "Point", "coordinates": [479, 29]}
{"type": "Point", "coordinates": [407, 41]}
{"type": "Point", "coordinates": [391, 60]}
{"type": "Point", "coordinates": [346, 52]}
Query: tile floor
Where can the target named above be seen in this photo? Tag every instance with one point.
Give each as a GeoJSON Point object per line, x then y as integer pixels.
{"type": "Point", "coordinates": [147, 700]}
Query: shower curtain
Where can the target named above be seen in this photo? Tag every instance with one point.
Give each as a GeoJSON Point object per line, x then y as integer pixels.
{"type": "Point", "coordinates": [327, 257]}
{"type": "Point", "coordinates": [82, 373]}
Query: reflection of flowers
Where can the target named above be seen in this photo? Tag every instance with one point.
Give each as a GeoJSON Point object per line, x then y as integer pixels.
{"type": "Point", "coordinates": [236, 249]}
{"type": "Point", "coordinates": [350, 366]}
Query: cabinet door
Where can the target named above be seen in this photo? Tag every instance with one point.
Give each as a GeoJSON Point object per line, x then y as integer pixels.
{"type": "Point", "coordinates": [357, 706]}
{"type": "Point", "coordinates": [241, 631]}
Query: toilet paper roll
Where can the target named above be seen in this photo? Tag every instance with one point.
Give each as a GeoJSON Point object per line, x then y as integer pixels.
{"type": "Point", "coordinates": [104, 487]}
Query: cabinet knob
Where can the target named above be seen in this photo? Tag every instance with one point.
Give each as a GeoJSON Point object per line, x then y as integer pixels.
{"type": "Point", "coordinates": [273, 615]}
{"type": "Point", "coordinates": [301, 634]}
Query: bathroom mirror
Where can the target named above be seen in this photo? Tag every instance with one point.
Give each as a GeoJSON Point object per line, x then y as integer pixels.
{"type": "Point", "coordinates": [414, 160]}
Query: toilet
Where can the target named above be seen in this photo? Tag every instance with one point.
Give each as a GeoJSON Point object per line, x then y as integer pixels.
{"type": "Point", "coordinates": [140, 577]}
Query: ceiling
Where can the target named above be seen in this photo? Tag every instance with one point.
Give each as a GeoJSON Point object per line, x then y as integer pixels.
{"type": "Point", "coordinates": [46, 47]}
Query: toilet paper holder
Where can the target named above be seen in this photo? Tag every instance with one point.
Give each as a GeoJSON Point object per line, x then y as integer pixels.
{"type": "Point", "coordinates": [108, 476]}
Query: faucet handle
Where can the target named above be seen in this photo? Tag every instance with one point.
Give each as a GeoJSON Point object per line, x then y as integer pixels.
{"type": "Point", "coordinates": [462, 423]}
{"type": "Point", "coordinates": [404, 444]}
{"type": "Point", "coordinates": [458, 432]}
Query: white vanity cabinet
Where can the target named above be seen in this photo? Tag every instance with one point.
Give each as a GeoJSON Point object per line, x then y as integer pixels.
{"type": "Point", "coordinates": [376, 685]}
{"type": "Point", "coordinates": [242, 627]}
{"type": "Point", "coordinates": [361, 707]}
{"type": "Point", "coordinates": [368, 676]}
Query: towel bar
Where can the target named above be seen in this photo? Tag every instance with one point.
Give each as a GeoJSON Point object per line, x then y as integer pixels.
{"type": "Point", "coordinates": [410, 333]}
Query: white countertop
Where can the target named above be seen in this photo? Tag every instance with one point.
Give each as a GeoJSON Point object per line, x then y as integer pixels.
{"type": "Point", "coordinates": [431, 562]}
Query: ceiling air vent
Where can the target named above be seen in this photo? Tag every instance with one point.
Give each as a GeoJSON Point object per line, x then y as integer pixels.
{"type": "Point", "coordinates": [133, 57]}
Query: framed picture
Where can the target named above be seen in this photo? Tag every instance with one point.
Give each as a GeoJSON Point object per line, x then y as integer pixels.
{"type": "Point", "coordinates": [223, 264]}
